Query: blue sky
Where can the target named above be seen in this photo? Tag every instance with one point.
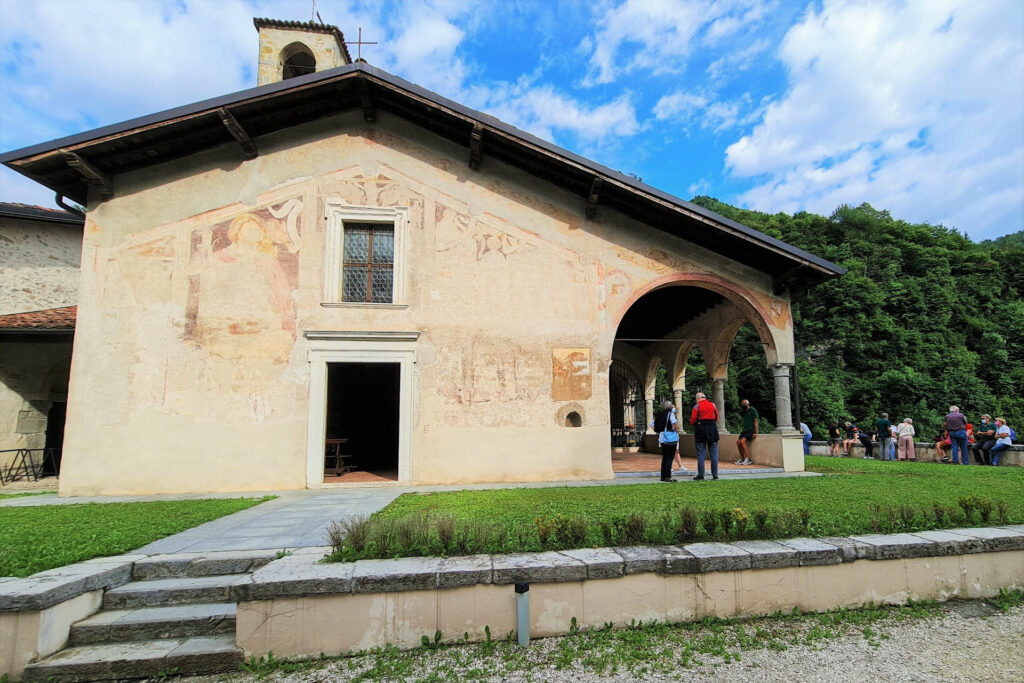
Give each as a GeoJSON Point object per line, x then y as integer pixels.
{"type": "Point", "coordinates": [776, 105]}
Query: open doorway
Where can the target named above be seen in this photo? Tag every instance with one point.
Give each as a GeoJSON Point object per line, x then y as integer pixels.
{"type": "Point", "coordinates": [362, 422]}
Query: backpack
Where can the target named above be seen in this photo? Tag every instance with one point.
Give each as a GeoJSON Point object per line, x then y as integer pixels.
{"type": "Point", "coordinates": [659, 421]}
{"type": "Point", "coordinates": [1013, 433]}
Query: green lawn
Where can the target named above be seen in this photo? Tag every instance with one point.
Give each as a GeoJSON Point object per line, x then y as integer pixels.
{"type": "Point", "coordinates": [36, 538]}
{"type": "Point", "coordinates": [26, 493]}
{"type": "Point", "coordinates": [854, 496]}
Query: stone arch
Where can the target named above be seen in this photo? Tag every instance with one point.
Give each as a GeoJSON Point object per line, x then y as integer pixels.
{"type": "Point", "coordinates": [770, 328]}
{"type": "Point", "coordinates": [651, 376]}
{"type": "Point", "coordinates": [296, 60]}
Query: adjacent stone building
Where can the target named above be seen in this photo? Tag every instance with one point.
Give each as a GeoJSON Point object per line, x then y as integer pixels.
{"type": "Point", "coordinates": [343, 264]}
{"type": "Point", "coordinates": [40, 252]}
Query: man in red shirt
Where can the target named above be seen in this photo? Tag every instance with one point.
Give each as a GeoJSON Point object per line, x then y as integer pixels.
{"type": "Point", "coordinates": [704, 419]}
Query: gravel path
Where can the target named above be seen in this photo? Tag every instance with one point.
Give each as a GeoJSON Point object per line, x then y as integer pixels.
{"type": "Point", "coordinates": [966, 641]}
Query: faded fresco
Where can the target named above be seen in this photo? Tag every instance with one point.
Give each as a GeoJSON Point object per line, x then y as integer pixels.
{"type": "Point", "coordinates": [243, 274]}
{"type": "Point", "coordinates": [570, 374]}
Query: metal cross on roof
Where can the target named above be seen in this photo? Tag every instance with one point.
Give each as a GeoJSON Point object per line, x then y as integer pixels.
{"type": "Point", "coordinates": [359, 44]}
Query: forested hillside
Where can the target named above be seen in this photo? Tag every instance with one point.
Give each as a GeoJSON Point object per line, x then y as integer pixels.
{"type": "Point", "coordinates": [924, 318]}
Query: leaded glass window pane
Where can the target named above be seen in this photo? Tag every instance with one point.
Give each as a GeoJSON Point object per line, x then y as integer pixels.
{"type": "Point", "coordinates": [367, 272]}
{"type": "Point", "coordinates": [354, 283]}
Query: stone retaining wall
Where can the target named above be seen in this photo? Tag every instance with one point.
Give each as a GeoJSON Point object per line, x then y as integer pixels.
{"type": "Point", "coordinates": [925, 451]}
{"type": "Point", "coordinates": [296, 606]}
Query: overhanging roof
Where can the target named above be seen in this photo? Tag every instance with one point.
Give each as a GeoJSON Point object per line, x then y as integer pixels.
{"type": "Point", "coordinates": [30, 212]}
{"type": "Point", "coordinates": [71, 164]}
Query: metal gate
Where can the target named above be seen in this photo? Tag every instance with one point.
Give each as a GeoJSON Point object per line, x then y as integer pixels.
{"type": "Point", "coordinates": [628, 409]}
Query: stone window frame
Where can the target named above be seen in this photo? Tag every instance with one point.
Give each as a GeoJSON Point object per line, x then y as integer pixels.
{"type": "Point", "coordinates": [336, 213]}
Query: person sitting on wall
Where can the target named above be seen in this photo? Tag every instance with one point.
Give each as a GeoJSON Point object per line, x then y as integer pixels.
{"type": "Point", "coordinates": [867, 441]}
{"type": "Point", "coordinates": [984, 440]}
{"type": "Point", "coordinates": [851, 437]}
{"type": "Point", "coordinates": [704, 419]}
{"type": "Point", "coordinates": [1004, 440]}
{"type": "Point", "coordinates": [747, 433]}
{"type": "Point", "coordinates": [942, 446]}
{"type": "Point", "coordinates": [834, 437]}
{"type": "Point", "coordinates": [664, 423]}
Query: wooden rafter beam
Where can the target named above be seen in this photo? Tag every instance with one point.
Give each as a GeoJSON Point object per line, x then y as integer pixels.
{"type": "Point", "coordinates": [93, 176]}
{"type": "Point", "coordinates": [476, 146]}
{"type": "Point", "coordinates": [595, 194]}
{"type": "Point", "coordinates": [369, 111]}
{"type": "Point", "coordinates": [238, 133]}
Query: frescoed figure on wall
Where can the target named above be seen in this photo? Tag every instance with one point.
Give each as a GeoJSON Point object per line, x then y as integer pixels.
{"type": "Point", "coordinates": [243, 275]}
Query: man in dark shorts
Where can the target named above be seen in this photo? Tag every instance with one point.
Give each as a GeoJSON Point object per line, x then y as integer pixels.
{"type": "Point", "coordinates": [747, 433]}
{"type": "Point", "coordinates": [834, 437]}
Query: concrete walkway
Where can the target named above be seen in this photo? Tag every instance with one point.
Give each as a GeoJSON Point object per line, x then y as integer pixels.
{"type": "Point", "coordinates": [300, 519]}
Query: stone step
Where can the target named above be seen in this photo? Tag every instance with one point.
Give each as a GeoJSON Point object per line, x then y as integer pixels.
{"type": "Point", "coordinates": [181, 591]}
{"type": "Point", "coordinates": [149, 623]}
{"type": "Point", "coordinates": [201, 564]}
{"type": "Point", "coordinates": [138, 659]}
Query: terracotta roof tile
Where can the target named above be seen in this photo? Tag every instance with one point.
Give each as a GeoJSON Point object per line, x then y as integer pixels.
{"type": "Point", "coordinates": [50, 319]}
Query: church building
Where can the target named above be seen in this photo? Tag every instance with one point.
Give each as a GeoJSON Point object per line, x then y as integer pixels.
{"type": "Point", "coordinates": [339, 273]}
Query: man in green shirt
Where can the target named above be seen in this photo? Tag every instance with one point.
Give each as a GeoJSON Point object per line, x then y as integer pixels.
{"type": "Point", "coordinates": [883, 432]}
{"type": "Point", "coordinates": [748, 433]}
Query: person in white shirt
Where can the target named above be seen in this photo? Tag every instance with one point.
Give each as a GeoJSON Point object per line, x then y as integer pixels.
{"type": "Point", "coordinates": [1003, 440]}
{"type": "Point", "coordinates": [905, 436]}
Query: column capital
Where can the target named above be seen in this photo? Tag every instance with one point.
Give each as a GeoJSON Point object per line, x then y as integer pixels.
{"type": "Point", "coordinates": [782, 369]}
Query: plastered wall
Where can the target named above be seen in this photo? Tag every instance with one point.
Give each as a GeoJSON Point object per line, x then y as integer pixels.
{"type": "Point", "coordinates": [190, 361]}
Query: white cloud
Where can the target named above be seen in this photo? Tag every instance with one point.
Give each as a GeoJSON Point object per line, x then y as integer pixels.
{"type": "Point", "coordinates": [709, 114]}
{"type": "Point", "coordinates": [657, 36]}
{"type": "Point", "coordinates": [912, 107]}
{"type": "Point", "coordinates": [545, 111]}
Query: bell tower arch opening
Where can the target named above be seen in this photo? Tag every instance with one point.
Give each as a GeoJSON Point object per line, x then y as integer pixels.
{"type": "Point", "coordinates": [296, 60]}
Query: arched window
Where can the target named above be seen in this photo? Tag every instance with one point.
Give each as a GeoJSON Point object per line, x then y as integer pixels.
{"type": "Point", "coordinates": [297, 60]}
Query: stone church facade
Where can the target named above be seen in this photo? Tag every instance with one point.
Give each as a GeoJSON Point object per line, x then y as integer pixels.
{"type": "Point", "coordinates": [341, 262]}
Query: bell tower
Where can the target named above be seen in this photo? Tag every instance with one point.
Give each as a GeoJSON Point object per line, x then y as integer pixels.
{"type": "Point", "coordinates": [295, 48]}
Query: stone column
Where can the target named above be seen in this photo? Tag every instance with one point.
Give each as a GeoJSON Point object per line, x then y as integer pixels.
{"type": "Point", "coordinates": [649, 411]}
{"type": "Point", "coordinates": [718, 397]}
{"type": "Point", "coordinates": [682, 415]}
{"type": "Point", "coordinates": [783, 405]}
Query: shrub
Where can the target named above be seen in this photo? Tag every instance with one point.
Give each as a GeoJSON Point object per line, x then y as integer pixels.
{"type": "Point", "coordinates": [740, 518]}
{"type": "Point", "coordinates": [544, 529]}
{"type": "Point", "coordinates": [907, 514]}
{"type": "Point", "coordinates": [353, 532]}
{"type": "Point", "coordinates": [725, 521]}
{"type": "Point", "coordinates": [805, 520]}
{"type": "Point", "coordinates": [939, 513]}
{"type": "Point", "coordinates": [631, 530]}
{"type": "Point", "coordinates": [1004, 512]}
{"type": "Point", "coordinates": [383, 537]}
{"type": "Point", "coordinates": [444, 525]}
{"type": "Point", "coordinates": [967, 504]}
{"type": "Point", "coordinates": [412, 533]}
{"type": "Point", "coordinates": [761, 521]}
{"type": "Point", "coordinates": [607, 533]}
{"type": "Point", "coordinates": [571, 532]}
{"type": "Point", "coordinates": [984, 506]}
{"type": "Point", "coordinates": [709, 520]}
{"type": "Point", "coordinates": [687, 529]}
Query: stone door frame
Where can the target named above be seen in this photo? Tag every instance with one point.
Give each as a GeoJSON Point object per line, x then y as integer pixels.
{"type": "Point", "coordinates": [358, 347]}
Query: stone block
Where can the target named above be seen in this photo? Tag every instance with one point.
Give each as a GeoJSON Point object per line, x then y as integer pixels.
{"type": "Point", "coordinates": [849, 549]}
{"type": "Point", "coordinates": [947, 543]}
{"type": "Point", "coordinates": [601, 563]}
{"type": "Point", "coordinates": [994, 538]}
{"type": "Point", "coordinates": [768, 554]}
{"type": "Point", "coordinates": [403, 574]}
{"type": "Point", "coordinates": [296, 576]}
{"type": "Point", "coordinates": [814, 551]}
{"type": "Point", "coordinates": [642, 559]}
{"type": "Point", "coordinates": [678, 560]}
{"type": "Point", "coordinates": [45, 589]}
{"type": "Point", "coordinates": [468, 570]}
{"type": "Point", "coordinates": [719, 557]}
{"type": "Point", "coordinates": [898, 546]}
{"type": "Point", "coordinates": [549, 567]}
